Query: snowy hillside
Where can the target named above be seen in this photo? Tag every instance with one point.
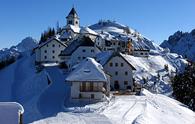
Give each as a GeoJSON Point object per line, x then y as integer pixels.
{"type": "Point", "coordinates": [148, 68]}
{"type": "Point", "coordinates": [45, 94]}
{"type": "Point", "coordinates": [111, 29]}
{"type": "Point", "coordinates": [15, 51]}
{"type": "Point", "coordinates": [182, 44]}
{"type": "Point", "coordinates": [146, 109]}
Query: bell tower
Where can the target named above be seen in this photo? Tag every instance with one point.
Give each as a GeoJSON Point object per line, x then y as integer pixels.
{"type": "Point", "coordinates": [72, 18]}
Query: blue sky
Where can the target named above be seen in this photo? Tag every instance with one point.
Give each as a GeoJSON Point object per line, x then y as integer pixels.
{"type": "Point", "coordinates": [156, 19]}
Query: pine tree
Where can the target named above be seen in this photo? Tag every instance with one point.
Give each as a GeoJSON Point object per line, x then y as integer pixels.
{"type": "Point", "coordinates": [184, 87]}
{"type": "Point", "coordinates": [47, 34]}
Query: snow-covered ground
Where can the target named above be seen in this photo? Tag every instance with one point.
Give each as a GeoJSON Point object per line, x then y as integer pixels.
{"type": "Point", "coordinates": [146, 109]}
{"type": "Point", "coordinates": [43, 94]}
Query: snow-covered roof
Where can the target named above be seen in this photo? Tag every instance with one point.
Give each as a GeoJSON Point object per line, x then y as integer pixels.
{"type": "Point", "coordinates": [83, 41]}
{"type": "Point", "coordinates": [87, 30]}
{"type": "Point", "coordinates": [65, 35]}
{"type": "Point", "coordinates": [104, 57]}
{"type": "Point", "coordinates": [9, 112]}
{"type": "Point", "coordinates": [88, 70]}
{"type": "Point", "coordinates": [49, 40]}
{"type": "Point", "coordinates": [75, 29]}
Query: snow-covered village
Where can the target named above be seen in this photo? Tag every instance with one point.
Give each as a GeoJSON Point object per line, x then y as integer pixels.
{"type": "Point", "coordinates": [102, 73]}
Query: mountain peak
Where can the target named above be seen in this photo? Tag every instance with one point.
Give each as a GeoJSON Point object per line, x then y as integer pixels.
{"type": "Point", "coordinates": [182, 43]}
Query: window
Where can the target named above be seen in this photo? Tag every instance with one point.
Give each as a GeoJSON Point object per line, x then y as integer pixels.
{"type": "Point", "coordinates": [92, 50]}
{"type": "Point", "coordinates": [59, 46]}
{"type": "Point", "coordinates": [108, 43]}
{"type": "Point", "coordinates": [76, 22]}
{"type": "Point", "coordinates": [82, 87]}
{"type": "Point", "coordinates": [92, 96]}
{"type": "Point", "coordinates": [53, 57]}
{"type": "Point", "coordinates": [116, 64]}
{"type": "Point", "coordinates": [53, 45]}
{"type": "Point", "coordinates": [125, 82]}
{"type": "Point", "coordinates": [146, 54]}
{"type": "Point", "coordinates": [141, 53]}
{"type": "Point", "coordinates": [69, 22]}
{"type": "Point", "coordinates": [126, 73]}
{"type": "Point", "coordinates": [116, 73]}
{"type": "Point", "coordinates": [45, 51]}
{"type": "Point", "coordinates": [80, 96]}
{"type": "Point", "coordinates": [114, 43]}
{"type": "Point", "coordinates": [84, 57]}
{"type": "Point", "coordinates": [53, 51]}
{"type": "Point", "coordinates": [45, 57]}
{"type": "Point", "coordinates": [87, 86]}
{"type": "Point", "coordinates": [111, 64]}
{"type": "Point", "coordinates": [47, 45]}
{"type": "Point", "coordinates": [122, 64]}
{"type": "Point", "coordinates": [91, 87]}
{"type": "Point", "coordinates": [84, 50]}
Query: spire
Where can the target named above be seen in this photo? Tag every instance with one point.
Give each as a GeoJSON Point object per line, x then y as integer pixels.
{"type": "Point", "coordinates": [73, 12]}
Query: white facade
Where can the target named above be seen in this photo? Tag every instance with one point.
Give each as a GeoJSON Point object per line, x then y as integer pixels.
{"type": "Point", "coordinates": [49, 52]}
{"type": "Point", "coordinates": [96, 93]}
{"type": "Point", "coordinates": [121, 73]}
{"type": "Point", "coordinates": [80, 54]}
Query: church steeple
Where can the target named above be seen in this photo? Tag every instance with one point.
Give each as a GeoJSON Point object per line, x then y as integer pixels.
{"type": "Point", "coordinates": [73, 18]}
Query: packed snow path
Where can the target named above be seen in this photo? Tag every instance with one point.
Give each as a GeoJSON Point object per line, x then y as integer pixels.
{"type": "Point", "coordinates": [127, 108]}
{"type": "Point", "coordinates": [52, 99]}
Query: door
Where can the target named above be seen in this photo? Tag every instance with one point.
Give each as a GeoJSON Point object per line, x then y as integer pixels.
{"type": "Point", "coordinates": [116, 85]}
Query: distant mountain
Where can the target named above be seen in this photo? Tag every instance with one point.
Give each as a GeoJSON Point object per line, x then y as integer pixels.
{"type": "Point", "coordinates": [25, 45]}
{"type": "Point", "coordinates": [182, 43]}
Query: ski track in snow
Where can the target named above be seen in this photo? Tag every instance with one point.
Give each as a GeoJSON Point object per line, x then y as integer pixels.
{"type": "Point", "coordinates": [126, 109]}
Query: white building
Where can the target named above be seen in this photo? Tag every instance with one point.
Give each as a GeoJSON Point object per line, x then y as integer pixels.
{"type": "Point", "coordinates": [11, 113]}
{"type": "Point", "coordinates": [48, 52]}
{"type": "Point", "coordinates": [88, 81]}
{"type": "Point", "coordinates": [78, 50]}
{"type": "Point", "coordinates": [115, 44]}
{"type": "Point", "coordinates": [120, 70]}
